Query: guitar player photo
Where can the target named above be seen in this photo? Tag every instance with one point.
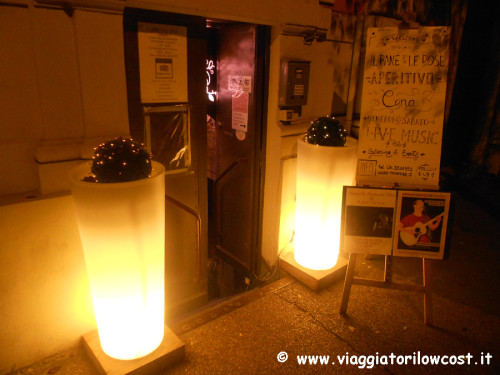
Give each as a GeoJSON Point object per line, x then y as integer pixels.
{"type": "Point", "coordinates": [421, 224]}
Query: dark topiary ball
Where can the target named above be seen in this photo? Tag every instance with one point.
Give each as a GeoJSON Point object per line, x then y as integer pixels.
{"type": "Point", "coordinates": [120, 160]}
{"type": "Point", "coordinates": [326, 131]}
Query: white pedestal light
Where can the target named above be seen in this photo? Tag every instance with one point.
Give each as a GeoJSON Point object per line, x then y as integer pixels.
{"type": "Point", "coordinates": [122, 230]}
{"type": "Point", "coordinates": [322, 171]}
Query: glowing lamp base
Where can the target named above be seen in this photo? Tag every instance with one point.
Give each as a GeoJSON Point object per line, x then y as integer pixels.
{"type": "Point", "coordinates": [314, 279]}
{"type": "Point", "coordinates": [170, 351]}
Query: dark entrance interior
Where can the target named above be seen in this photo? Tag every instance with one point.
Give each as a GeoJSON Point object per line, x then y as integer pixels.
{"type": "Point", "coordinates": [236, 95]}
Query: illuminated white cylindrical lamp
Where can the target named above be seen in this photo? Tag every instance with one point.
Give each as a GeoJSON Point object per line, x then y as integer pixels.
{"type": "Point", "coordinates": [322, 171]}
{"type": "Point", "coordinates": [122, 230]}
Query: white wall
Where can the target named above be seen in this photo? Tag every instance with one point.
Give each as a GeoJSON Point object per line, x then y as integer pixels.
{"type": "Point", "coordinates": [328, 75]}
{"type": "Point", "coordinates": [265, 12]}
{"type": "Point", "coordinates": [44, 290]}
{"type": "Point", "coordinates": [20, 117]}
{"type": "Point", "coordinates": [63, 90]}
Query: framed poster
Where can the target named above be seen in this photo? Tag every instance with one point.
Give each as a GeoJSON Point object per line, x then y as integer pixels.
{"type": "Point", "coordinates": [421, 224]}
{"type": "Point", "coordinates": [162, 63]}
{"type": "Point", "coordinates": [402, 109]}
{"type": "Point", "coordinates": [368, 217]}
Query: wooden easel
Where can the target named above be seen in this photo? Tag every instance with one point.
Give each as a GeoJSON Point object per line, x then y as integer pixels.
{"type": "Point", "coordinates": [387, 283]}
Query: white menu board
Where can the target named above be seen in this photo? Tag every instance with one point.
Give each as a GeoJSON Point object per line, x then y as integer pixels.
{"type": "Point", "coordinates": [402, 110]}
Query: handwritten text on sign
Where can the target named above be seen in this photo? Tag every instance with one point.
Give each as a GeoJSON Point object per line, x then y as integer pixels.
{"type": "Point", "coordinates": [404, 88]}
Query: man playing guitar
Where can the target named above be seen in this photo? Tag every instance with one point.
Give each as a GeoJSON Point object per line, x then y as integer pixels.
{"type": "Point", "coordinates": [413, 227]}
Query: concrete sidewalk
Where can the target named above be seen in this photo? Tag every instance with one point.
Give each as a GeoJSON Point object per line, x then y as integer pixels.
{"type": "Point", "coordinates": [245, 334]}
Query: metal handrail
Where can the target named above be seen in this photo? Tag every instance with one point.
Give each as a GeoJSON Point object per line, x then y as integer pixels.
{"type": "Point", "coordinates": [189, 210]}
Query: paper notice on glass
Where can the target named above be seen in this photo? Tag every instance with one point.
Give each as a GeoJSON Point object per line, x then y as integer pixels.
{"type": "Point", "coordinates": [402, 110]}
{"type": "Point", "coordinates": [162, 63]}
{"type": "Point", "coordinates": [368, 218]}
{"type": "Point", "coordinates": [240, 83]}
{"type": "Point", "coordinates": [240, 111]}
